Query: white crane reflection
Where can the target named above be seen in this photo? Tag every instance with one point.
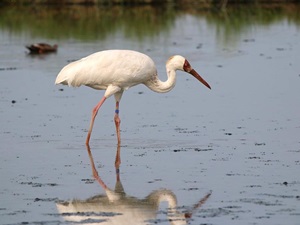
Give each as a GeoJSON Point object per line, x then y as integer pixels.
{"type": "Point", "coordinates": [115, 207]}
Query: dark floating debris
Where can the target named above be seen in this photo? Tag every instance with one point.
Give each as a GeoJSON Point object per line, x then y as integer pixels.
{"type": "Point", "coordinates": [179, 150]}
{"type": "Point", "coordinates": [8, 68]}
{"type": "Point", "coordinates": [199, 46]}
{"type": "Point", "coordinates": [203, 149]}
{"type": "Point", "coordinates": [45, 199]}
{"type": "Point", "coordinates": [254, 157]}
{"type": "Point", "coordinates": [88, 181]}
{"type": "Point", "coordinates": [249, 40]}
{"type": "Point", "coordinates": [155, 180]}
{"type": "Point", "coordinates": [71, 60]}
{"type": "Point", "coordinates": [41, 48]}
{"type": "Point", "coordinates": [13, 101]}
{"type": "Point", "coordinates": [38, 184]}
{"type": "Point", "coordinates": [260, 144]}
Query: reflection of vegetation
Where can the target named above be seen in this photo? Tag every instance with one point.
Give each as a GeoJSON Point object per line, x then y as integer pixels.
{"type": "Point", "coordinates": [86, 22]}
{"type": "Point", "coordinates": [136, 22]}
{"type": "Point", "coordinates": [238, 19]}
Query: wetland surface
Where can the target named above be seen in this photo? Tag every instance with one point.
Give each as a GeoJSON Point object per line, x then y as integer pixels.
{"type": "Point", "coordinates": [230, 155]}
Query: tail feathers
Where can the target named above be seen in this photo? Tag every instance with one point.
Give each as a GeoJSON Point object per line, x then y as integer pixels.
{"type": "Point", "coordinates": [61, 80]}
{"type": "Point", "coordinates": [65, 76]}
{"type": "Point", "coordinates": [69, 75]}
{"type": "Point", "coordinates": [68, 79]}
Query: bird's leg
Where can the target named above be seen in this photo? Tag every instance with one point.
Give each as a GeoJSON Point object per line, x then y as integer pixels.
{"type": "Point", "coordinates": [95, 172]}
{"type": "Point", "coordinates": [94, 114]}
{"type": "Point", "coordinates": [117, 122]}
{"type": "Point", "coordinates": [118, 162]}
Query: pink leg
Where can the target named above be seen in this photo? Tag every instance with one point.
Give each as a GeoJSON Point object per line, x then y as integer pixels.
{"type": "Point", "coordinates": [117, 122]}
{"type": "Point", "coordinates": [95, 172]}
{"type": "Point", "coordinates": [118, 162]}
{"type": "Point", "coordinates": [94, 114]}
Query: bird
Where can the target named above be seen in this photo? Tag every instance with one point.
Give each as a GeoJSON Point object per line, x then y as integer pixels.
{"type": "Point", "coordinates": [118, 70]}
{"type": "Point", "coordinates": [40, 48]}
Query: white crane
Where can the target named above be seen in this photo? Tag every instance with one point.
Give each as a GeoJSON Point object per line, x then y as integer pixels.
{"type": "Point", "coordinates": [118, 70]}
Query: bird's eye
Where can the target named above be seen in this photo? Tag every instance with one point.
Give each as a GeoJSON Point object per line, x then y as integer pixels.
{"type": "Point", "coordinates": [186, 66]}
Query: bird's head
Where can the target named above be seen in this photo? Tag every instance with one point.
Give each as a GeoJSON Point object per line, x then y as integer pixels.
{"type": "Point", "coordinates": [178, 62]}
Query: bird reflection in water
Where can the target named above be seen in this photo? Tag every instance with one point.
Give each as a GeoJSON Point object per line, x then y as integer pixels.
{"type": "Point", "coordinates": [115, 207]}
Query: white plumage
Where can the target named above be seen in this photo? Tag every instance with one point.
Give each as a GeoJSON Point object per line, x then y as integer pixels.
{"type": "Point", "coordinates": [101, 69]}
{"type": "Point", "coordinates": [118, 70]}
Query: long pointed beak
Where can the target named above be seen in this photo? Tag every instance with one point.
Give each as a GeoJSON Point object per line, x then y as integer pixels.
{"type": "Point", "coordinates": [198, 77]}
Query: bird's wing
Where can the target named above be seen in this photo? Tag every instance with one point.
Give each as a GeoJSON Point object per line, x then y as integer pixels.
{"type": "Point", "coordinates": [113, 67]}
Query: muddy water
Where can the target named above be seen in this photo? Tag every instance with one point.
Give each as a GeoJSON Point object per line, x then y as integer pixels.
{"type": "Point", "coordinates": [229, 155]}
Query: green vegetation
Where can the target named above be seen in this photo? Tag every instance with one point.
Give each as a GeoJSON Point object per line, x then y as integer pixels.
{"type": "Point", "coordinates": [94, 22]}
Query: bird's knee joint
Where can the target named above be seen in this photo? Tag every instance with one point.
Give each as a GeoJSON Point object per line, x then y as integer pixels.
{"type": "Point", "coordinates": [117, 119]}
{"type": "Point", "coordinates": [95, 111]}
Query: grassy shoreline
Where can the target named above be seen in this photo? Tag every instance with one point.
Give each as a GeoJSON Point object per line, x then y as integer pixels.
{"type": "Point", "coordinates": [139, 2]}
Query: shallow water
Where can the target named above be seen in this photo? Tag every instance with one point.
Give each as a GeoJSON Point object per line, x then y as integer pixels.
{"type": "Point", "coordinates": [238, 141]}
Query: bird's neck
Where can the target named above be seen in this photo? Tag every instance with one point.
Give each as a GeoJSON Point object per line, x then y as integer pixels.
{"type": "Point", "coordinates": [163, 86]}
{"type": "Point", "coordinates": [159, 196]}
